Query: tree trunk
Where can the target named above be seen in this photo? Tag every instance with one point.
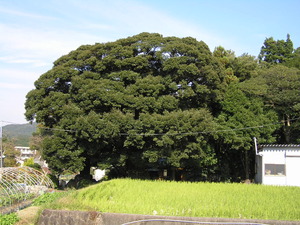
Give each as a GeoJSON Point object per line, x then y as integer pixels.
{"type": "Point", "coordinates": [86, 172]}
{"type": "Point", "coordinates": [246, 165]}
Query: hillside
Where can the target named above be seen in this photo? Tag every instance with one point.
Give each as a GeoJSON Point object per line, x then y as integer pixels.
{"type": "Point", "coordinates": [19, 133]}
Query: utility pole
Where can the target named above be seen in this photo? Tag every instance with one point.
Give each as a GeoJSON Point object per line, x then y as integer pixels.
{"type": "Point", "coordinates": [1, 147]}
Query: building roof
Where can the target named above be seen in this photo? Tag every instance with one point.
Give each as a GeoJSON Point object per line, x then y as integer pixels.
{"type": "Point", "coordinates": [280, 145]}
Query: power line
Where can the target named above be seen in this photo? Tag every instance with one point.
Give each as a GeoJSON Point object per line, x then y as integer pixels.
{"type": "Point", "coordinates": [3, 121]}
{"type": "Point", "coordinates": [57, 129]}
{"type": "Point", "coordinates": [195, 133]}
{"type": "Point", "coordinates": [1, 147]}
{"type": "Point", "coordinates": [170, 134]}
{"type": "Point", "coordinates": [207, 132]}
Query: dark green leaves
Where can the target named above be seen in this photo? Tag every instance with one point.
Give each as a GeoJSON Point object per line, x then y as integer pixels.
{"type": "Point", "coordinates": [132, 104]}
{"type": "Point", "coordinates": [276, 51]}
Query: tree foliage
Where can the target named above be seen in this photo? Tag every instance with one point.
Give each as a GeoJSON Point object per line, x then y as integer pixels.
{"type": "Point", "coordinates": [242, 117]}
{"type": "Point", "coordinates": [10, 153]}
{"type": "Point", "coordinates": [30, 163]}
{"type": "Point", "coordinates": [283, 95]}
{"type": "Point", "coordinates": [151, 102]}
{"type": "Point", "coordinates": [276, 51]}
{"type": "Point", "coordinates": [294, 61]}
{"type": "Point", "coordinates": [102, 90]}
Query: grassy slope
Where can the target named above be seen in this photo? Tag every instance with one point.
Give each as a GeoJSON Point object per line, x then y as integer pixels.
{"type": "Point", "coordinates": [187, 199]}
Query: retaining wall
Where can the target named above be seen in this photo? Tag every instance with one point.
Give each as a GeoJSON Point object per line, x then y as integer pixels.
{"type": "Point", "coordinates": [58, 217]}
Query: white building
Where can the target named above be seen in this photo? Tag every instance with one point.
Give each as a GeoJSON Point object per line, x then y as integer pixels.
{"type": "Point", "coordinates": [25, 153]}
{"type": "Point", "coordinates": [278, 165]}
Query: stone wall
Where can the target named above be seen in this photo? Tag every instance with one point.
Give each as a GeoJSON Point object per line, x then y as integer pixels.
{"type": "Point", "coordinates": [58, 217]}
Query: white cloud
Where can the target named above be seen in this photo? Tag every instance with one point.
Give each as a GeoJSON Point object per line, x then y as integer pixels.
{"type": "Point", "coordinates": [24, 14]}
{"type": "Point", "coordinates": [12, 99]}
{"type": "Point", "coordinates": [97, 26]}
{"type": "Point", "coordinates": [38, 47]}
{"type": "Point", "coordinates": [12, 108]}
{"type": "Point", "coordinates": [15, 86]}
{"type": "Point", "coordinates": [24, 60]}
{"type": "Point", "coordinates": [19, 75]}
{"type": "Point", "coordinates": [127, 18]}
{"type": "Point", "coordinates": [139, 17]}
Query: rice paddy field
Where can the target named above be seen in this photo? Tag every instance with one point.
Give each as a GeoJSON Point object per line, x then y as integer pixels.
{"type": "Point", "coordinates": [227, 200]}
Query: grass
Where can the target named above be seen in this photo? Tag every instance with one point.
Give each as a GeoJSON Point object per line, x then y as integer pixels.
{"type": "Point", "coordinates": [186, 199]}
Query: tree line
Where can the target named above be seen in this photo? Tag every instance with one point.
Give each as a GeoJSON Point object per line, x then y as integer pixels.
{"type": "Point", "coordinates": [148, 102]}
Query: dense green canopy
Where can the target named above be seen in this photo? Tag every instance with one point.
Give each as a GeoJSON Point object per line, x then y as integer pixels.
{"type": "Point", "coordinates": [276, 51]}
{"type": "Point", "coordinates": [152, 102]}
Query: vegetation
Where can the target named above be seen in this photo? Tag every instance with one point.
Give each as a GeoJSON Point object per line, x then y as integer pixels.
{"type": "Point", "coordinates": [276, 51]}
{"type": "Point", "coordinates": [15, 135]}
{"type": "Point", "coordinates": [47, 198]}
{"type": "Point", "coordinates": [20, 134]}
{"type": "Point", "coordinates": [30, 163]}
{"type": "Point", "coordinates": [8, 219]}
{"type": "Point", "coordinates": [152, 103]}
{"type": "Point", "coordinates": [199, 199]}
{"type": "Point", "coordinates": [9, 152]}
{"type": "Point", "coordinates": [7, 200]}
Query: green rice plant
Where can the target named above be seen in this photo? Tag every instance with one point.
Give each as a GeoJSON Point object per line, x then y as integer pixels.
{"type": "Point", "coordinates": [229, 200]}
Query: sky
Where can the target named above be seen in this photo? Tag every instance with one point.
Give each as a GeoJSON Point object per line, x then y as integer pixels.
{"type": "Point", "coordinates": [34, 33]}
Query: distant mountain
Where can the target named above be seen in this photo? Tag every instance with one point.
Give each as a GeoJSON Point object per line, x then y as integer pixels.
{"type": "Point", "coordinates": [19, 133]}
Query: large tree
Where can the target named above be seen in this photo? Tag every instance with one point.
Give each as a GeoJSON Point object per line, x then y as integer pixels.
{"type": "Point", "coordinates": [294, 61]}
{"type": "Point", "coordinates": [283, 95]}
{"type": "Point", "coordinates": [278, 51]}
{"type": "Point", "coordinates": [98, 92]}
{"type": "Point", "coordinates": [278, 86]}
{"type": "Point", "coordinates": [243, 117]}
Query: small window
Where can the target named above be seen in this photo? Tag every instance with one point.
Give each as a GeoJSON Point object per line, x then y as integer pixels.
{"type": "Point", "coordinates": [275, 169]}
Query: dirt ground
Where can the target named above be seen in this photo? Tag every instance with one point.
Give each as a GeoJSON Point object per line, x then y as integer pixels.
{"type": "Point", "coordinates": [28, 216]}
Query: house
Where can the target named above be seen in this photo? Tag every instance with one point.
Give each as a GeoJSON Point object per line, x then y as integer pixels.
{"type": "Point", "coordinates": [25, 153]}
{"type": "Point", "coordinates": [278, 164]}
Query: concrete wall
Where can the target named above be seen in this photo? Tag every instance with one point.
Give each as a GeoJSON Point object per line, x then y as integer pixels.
{"type": "Point", "coordinates": [285, 156]}
{"type": "Point", "coordinates": [57, 217]}
{"type": "Point", "coordinates": [258, 170]}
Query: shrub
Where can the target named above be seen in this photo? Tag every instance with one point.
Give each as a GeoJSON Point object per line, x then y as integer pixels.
{"type": "Point", "coordinates": [9, 219]}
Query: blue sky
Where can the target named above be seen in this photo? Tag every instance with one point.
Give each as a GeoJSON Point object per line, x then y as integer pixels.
{"type": "Point", "coordinates": [33, 33]}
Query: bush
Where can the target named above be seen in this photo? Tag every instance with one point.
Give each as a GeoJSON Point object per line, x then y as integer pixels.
{"type": "Point", "coordinates": [8, 219]}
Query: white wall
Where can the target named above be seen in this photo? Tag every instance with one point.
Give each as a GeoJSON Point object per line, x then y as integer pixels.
{"type": "Point", "coordinates": [293, 168]}
{"type": "Point", "coordinates": [289, 157]}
